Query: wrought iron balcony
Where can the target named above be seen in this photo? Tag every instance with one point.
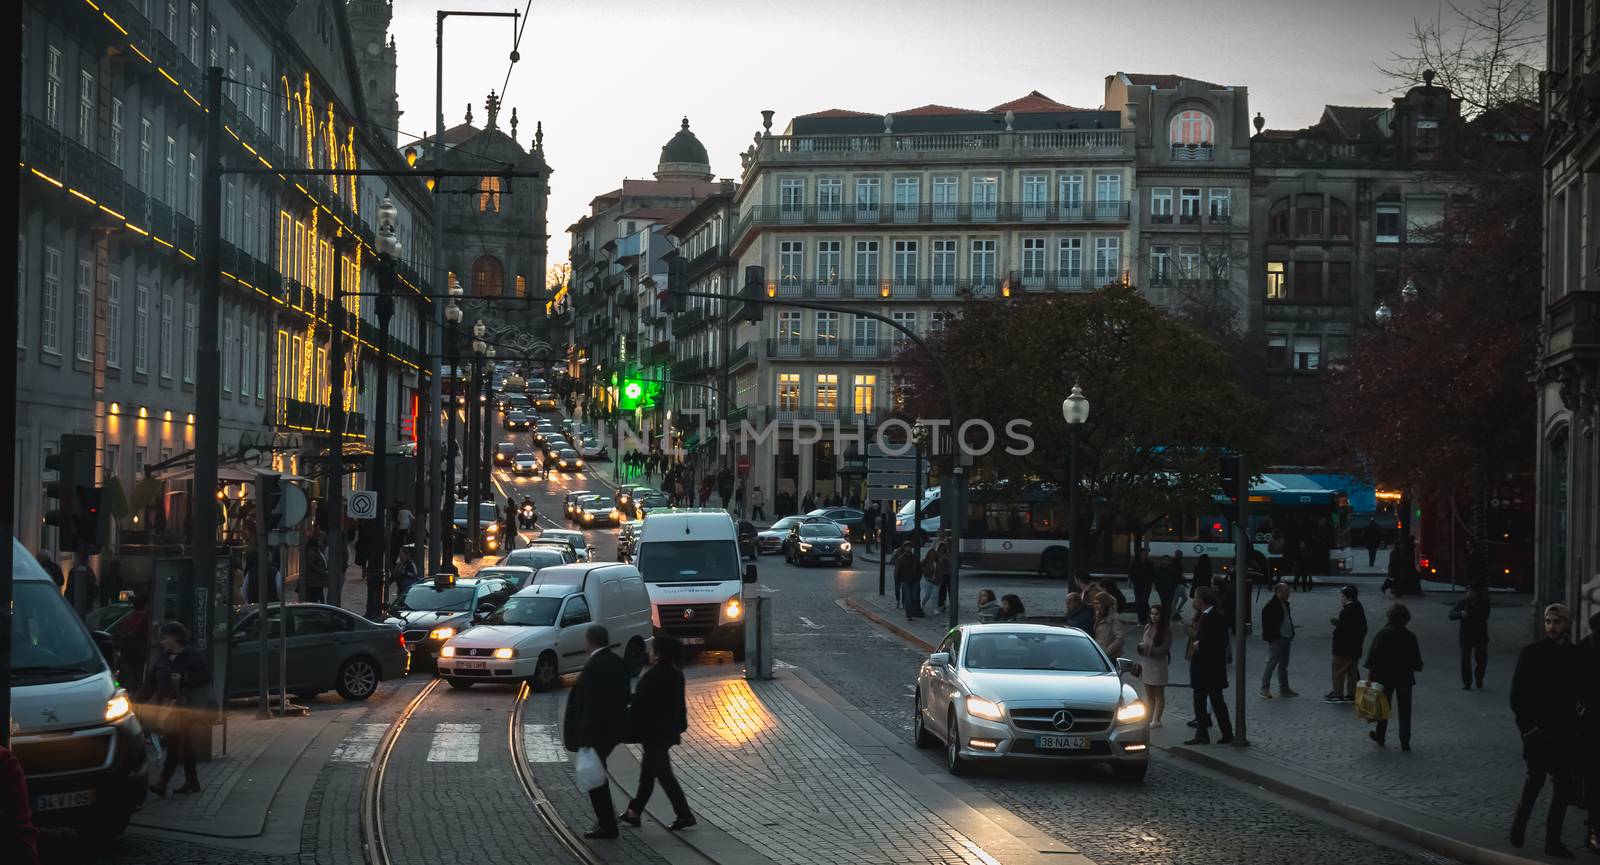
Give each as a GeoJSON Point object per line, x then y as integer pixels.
{"type": "Point", "coordinates": [955, 213]}
{"type": "Point", "coordinates": [954, 146]}
{"type": "Point", "coordinates": [819, 347]}
{"type": "Point", "coordinates": [688, 321]}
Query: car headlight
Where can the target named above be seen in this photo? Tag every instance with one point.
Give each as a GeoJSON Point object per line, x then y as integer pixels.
{"type": "Point", "coordinates": [444, 633]}
{"type": "Point", "coordinates": [844, 547]}
{"type": "Point", "coordinates": [118, 706]}
{"type": "Point", "coordinates": [492, 528]}
{"type": "Point", "coordinates": [447, 652]}
{"type": "Point", "coordinates": [588, 517]}
{"type": "Point", "coordinates": [580, 464]}
{"type": "Point", "coordinates": [505, 654]}
{"type": "Point", "coordinates": [978, 707]}
{"type": "Point", "coordinates": [733, 609]}
{"type": "Point", "coordinates": [805, 547]}
{"type": "Point", "coordinates": [1131, 712]}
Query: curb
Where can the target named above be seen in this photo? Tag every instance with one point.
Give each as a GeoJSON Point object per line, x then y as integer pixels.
{"type": "Point", "coordinates": [887, 625]}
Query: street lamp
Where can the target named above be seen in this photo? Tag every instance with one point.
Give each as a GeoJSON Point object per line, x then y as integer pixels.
{"type": "Point", "coordinates": [919, 444]}
{"type": "Point", "coordinates": [1409, 292]}
{"type": "Point", "coordinates": [1383, 314]}
{"type": "Point", "coordinates": [1075, 409]}
{"type": "Point", "coordinates": [389, 248]}
{"type": "Point", "coordinates": [487, 476]}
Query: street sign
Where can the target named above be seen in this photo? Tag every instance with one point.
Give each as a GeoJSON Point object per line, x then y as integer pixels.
{"type": "Point", "coordinates": [892, 464]}
{"type": "Point", "coordinates": [890, 493]}
{"type": "Point", "coordinates": [361, 504]}
{"type": "Point", "coordinates": [294, 505]}
{"type": "Point", "coordinates": [890, 479]}
{"type": "Point", "coordinates": [744, 465]}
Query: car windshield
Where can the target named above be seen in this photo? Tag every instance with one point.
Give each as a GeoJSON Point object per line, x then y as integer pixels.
{"type": "Point", "coordinates": [48, 643]}
{"type": "Point", "coordinates": [532, 557]}
{"type": "Point", "coordinates": [532, 610]}
{"type": "Point", "coordinates": [1033, 651]}
{"type": "Point", "coordinates": [688, 561]}
{"type": "Point", "coordinates": [524, 458]}
{"type": "Point", "coordinates": [819, 530]}
{"type": "Point", "coordinates": [426, 597]}
{"type": "Point", "coordinates": [486, 512]}
{"type": "Point", "coordinates": [568, 453]}
{"type": "Point", "coordinates": [785, 523]}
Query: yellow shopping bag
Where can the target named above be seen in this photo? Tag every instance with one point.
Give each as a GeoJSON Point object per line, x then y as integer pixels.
{"type": "Point", "coordinates": [1372, 703]}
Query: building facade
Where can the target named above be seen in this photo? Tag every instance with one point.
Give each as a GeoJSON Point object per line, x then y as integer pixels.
{"type": "Point", "coordinates": [112, 153]}
{"type": "Point", "coordinates": [700, 357]}
{"type": "Point", "coordinates": [1568, 380]}
{"type": "Point", "coordinates": [906, 215]}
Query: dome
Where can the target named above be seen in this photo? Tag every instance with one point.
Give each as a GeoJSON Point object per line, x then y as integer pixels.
{"type": "Point", "coordinates": [684, 157]}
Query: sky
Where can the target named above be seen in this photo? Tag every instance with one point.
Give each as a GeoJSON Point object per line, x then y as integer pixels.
{"type": "Point", "coordinates": [612, 79]}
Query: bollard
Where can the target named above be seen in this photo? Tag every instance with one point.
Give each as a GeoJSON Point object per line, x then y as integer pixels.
{"type": "Point", "coordinates": [758, 637]}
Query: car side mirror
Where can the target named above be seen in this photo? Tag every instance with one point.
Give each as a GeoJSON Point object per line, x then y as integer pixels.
{"type": "Point", "coordinates": [1125, 666]}
{"type": "Point", "coordinates": [749, 573]}
{"type": "Point", "coordinates": [939, 659]}
{"type": "Point", "coordinates": [107, 645]}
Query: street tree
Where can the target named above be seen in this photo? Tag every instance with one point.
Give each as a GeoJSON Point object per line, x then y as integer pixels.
{"type": "Point", "coordinates": [1164, 400]}
{"type": "Point", "coordinates": [1488, 54]}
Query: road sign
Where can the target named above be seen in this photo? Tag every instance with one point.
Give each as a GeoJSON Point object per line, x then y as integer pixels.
{"type": "Point", "coordinates": [891, 479]}
{"type": "Point", "coordinates": [892, 464]}
{"type": "Point", "coordinates": [890, 493]}
{"type": "Point", "coordinates": [361, 504]}
{"type": "Point", "coordinates": [294, 505]}
{"type": "Point", "coordinates": [744, 465]}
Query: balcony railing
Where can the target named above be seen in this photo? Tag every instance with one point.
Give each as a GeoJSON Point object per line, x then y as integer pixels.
{"type": "Point", "coordinates": [690, 367]}
{"type": "Point", "coordinates": [739, 357]}
{"type": "Point", "coordinates": [958, 213]}
{"type": "Point", "coordinates": [1110, 143]}
{"type": "Point", "coordinates": [688, 321]}
{"type": "Point", "coordinates": [812, 348]}
{"type": "Point", "coordinates": [1192, 152]}
{"type": "Point", "coordinates": [951, 289]}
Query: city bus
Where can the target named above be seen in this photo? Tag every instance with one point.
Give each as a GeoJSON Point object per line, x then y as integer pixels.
{"type": "Point", "coordinates": [1313, 508]}
{"type": "Point", "coordinates": [1007, 530]}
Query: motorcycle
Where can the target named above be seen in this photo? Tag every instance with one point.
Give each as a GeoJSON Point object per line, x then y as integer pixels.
{"type": "Point", "coordinates": [529, 514]}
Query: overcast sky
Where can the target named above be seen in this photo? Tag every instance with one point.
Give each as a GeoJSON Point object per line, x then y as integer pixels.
{"type": "Point", "coordinates": [611, 79]}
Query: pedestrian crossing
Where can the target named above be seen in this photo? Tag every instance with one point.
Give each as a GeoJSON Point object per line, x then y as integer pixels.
{"type": "Point", "coordinates": [359, 745]}
{"type": "Point", "coordinates": [452, 743]}
{"type": "Point", "coordinates": [455, 743]}
{"type": "Point", "coordinates": [542, 742]}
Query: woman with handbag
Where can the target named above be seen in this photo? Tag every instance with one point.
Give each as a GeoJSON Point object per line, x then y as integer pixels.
{"type": "Point", "coordinates": [1155, 648]}
{"type": "Point", "coordinates": [657, 719]}
{"type": "Point", "coordinates": [176, 676]}
{"type": "Point", "coordinates": [1393, 662]}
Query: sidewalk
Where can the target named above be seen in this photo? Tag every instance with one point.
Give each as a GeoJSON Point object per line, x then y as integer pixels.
{"type": "Point", "coordinates": [1454, 792]}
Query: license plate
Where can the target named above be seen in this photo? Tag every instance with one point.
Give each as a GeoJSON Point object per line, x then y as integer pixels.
{"type": "Point", "coordinates": [693, 641]}
{"type": "Point", "coordinates": [473, 665]}
{"type": "Point", "coordinates": [58, 801]}
{"type": "Point", "coordinates": [1062, 743]}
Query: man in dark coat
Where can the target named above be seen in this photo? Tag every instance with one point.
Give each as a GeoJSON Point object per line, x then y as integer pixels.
{"type": "Point", "coordinates": [1208, 670]}
{"type": "Point", "coordinates": [1374, 540]}
{"type": "Point", "coordinates": [1473, 614]}
{"type": "Point", "coordinates": [1349, 634]}
{"type": "Point", "coordinates": [1168, 580]}
{"type": "Point", "coordinates": [907, 574]}
{"type": "Point", "coordinates": [597, 717]}
{"type": "Point", "coordinates": [1545, 699]}
{"type": "Point", "coordinates": [1143, 576]}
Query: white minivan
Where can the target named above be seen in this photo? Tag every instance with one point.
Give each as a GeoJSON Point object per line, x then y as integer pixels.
{"type": "Point", "coordinates": [538, 633]}
{"type": "Point", "coordinates": [73, 729]}
{"type": "Point", "coordinates": [690, 562]}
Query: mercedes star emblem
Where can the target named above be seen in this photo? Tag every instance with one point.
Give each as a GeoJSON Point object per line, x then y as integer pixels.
{"type": "Point", "coordinates": [1062, 720]}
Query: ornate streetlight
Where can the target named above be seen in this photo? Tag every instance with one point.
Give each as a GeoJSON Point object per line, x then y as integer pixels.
{"type": "Point", "coordinates": [1075, 409]}
{"type": "Point", "coordinates": [389, 248]}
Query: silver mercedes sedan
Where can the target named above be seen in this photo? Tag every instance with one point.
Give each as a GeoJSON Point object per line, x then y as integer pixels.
{"type": "Point", "coordinates": [1010, 691]}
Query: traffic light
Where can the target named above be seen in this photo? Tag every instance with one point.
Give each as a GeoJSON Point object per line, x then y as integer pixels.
{"type": "Point", "coordinates": [674, 301]}
{"type": "Point", "coordinates": [755, 285]}
{"type": "Point", "coordinates": [87, 518]}
{"type": "Point", "coordinates": [269, 502]}
{"type": "Point", "coordinates": [73, 463]}
{"type": "Point", "coordinates": [1228, 476]}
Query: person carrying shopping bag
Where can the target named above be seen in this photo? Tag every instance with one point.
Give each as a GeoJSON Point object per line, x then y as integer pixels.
{"type": "Point", "coordinates": [657, 720]}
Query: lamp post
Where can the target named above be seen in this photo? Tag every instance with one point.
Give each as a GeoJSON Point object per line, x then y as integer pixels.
{"type": "Point", "coordinates": [448, 539]}
{"type": "Point", "coordinates": [389, 248]}
{"type": "Point", "coordinates": [919, 444]}
{"type": "Point", "coordinates": [470, 409]}
{"type": "Point", "coordinates": [1075, 409]}
{"type": "Point", "coordinates": [487, 477]}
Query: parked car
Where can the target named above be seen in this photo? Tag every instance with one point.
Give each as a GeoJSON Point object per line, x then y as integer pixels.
{"type": "Point", "coordinates": [819, 542]}
{"type": "Point", "coordinates": [432, 612]}
{"type": "Point", "coordinates": [327, 648]}
{"type": "Point", "coordinates": [1008, 691]}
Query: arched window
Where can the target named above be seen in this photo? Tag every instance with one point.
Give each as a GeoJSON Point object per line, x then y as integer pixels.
{"type": "Point", "coordinates": [1191, 131]}
{"type": "Point", "coordinates": [489, 194]}
{"type": "Point", "coordinates": [522, 286]}
{"type": "Point", "coordinates": [1278, 218]}
{"type": "Point", "coordinates": [1338, 218]}
{"type": "Point", "coordinates": [488, 277]}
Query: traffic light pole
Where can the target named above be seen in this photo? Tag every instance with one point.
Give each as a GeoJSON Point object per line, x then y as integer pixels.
{"type": "Point", "coordinates": [207, 384]}
{"type": "Point", "coordinates": [378, 566]}
{"type": "Point", "coordinates": [337, 563]}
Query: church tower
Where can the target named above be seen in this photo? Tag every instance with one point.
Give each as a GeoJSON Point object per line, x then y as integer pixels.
{"type": "Point", "coordinates": [375, 57]}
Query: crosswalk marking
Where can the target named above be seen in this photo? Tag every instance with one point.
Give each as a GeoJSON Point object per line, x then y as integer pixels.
{"type": "Point", "coordinates": [358, 746]}
{"type": "Point", "coordinates": [808, 623]}
{"type": "Point", "coordinates": [455, 743]}
{"type": "Point", "coordinates": [543, 744]}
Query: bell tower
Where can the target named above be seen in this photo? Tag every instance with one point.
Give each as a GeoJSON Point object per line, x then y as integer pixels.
{"type": "Point", "coordinates": [376, 59]}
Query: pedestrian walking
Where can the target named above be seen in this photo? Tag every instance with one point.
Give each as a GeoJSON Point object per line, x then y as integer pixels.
{"type": "Point", "coordinates": [1589, 730]}
{"type": "Point", "coordinates": [946, 564]}
{"type": "Point", "coordinates": [1472, 611]}
{"type": "Point", "coordinates": [403, 522]}
{"type": "Point", "coordinates": [869, 526]}
{"type": "Point", "coordinates": [1155, 650]}
{"type": "Point", "coordinates": [1109, 631]}
{"type": "Point", "coordinates": [1080, 615]}
{"type": "Point", "coordinates": [1208, 670]}
{"type": "Point", "coordinates": [1109, 586]}
{"type": "Point", "coordinates": [1277, 628]}
{"type": "Point", "coordinates": [1302, 564]}
{"type": "Point", "coordinates": [930, 577]}
{"type": "Point", "coordinates": [405, 572]}
{"type": "Point", "coordinates": [1349, 634]}
{"type": "Point", "coordinates": [1544, 699]}
{"type": "Point", "coordinates": [172, 694]}
{"type": "Point", "coordinates": [758, 504]}
{"type": "Point", "coordinates": [988, 607]}
{"type": "Point", "coordinates": [597, 718]}
{"type": "Point", "coordinates": [314, 581]}
{"type": "Point", "coordinates": [1011, 609]}
{"type": "Point", "coordinates": [1142, 574]}
{"type": "Point", "coordinates": [1374, 539]}
{"type": "Point", "coordinates": [907, 574]}
{"type": "Point", "coordinates": [657, 720]}
{"type": "Point", "coordinates": [807, 503]}
{"type": "Point", "coordinates": [1393, 662]}
{"type": "Point", "coordinates": [1202, 575]}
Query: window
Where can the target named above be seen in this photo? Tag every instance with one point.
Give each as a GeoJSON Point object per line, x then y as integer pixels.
{"type": "Point", "coordinates": [50, 305]}
{"type": "Point", "coordinates": [52, 87]}
{"type": "Point", "coordinates": [1160, 265]}
{"type": "Point", "coordinates": [1033, 256]}
{"type": "Point", "coordinates": [905, 262]}
{"type": "Point", "coordinates": [1388, 222]}
{"type": "Point", "coordinates": [1161, 205]}
{"type": "Point", "coordinates": [789, 327]}
{"type": "Point", "coordinates": [145, 183]}
{"type": "Point", "coordinates": [940, 320]}
{"type": "Point", "coordinates": [230, 330]}
{"type": "Point", "coordinates": [907, 198]}
{"type": "Point", "coordinates": [1277, 289]}
{"type": "Point", "coordinates": [1427, 134]}
{"type": "Point", "coordinates": [247, 361]}
{"type": "Point", "coordinates": [944, 264]}
{"type": "Point", "coordinates": [249, 91]}
{"type": "Point", "coordinates": [982, 270]}
{"type": "Point", "coordinates": [83, 312]}
{"type": "Point", "coordinates": [194, 185]}
{"type": "Point", "coordinates": [172, 19]}
{"type": "Point", "coordinates": [116, 132]}
{"type": "Point", "coordinates": [168, 310]}
{"type": "Point", "coordinates": [1307, 353]}
{"type": "Point", "coordinates": [830, 198]}
{"type": "Point", "coordinates": [1107, 258]}
{"type": "Point", "coordinates": [788, 392]}
{"type": "Point", "coordinates": [1307, 284]}
{"type": "Point", "coordinates": [827, 333]}
{"type": "Point", "coordinates": [141, 328]}
{"type": "Point", "coordinates": [1338, 219]}
{"type": "Point", "coordinates": [791, 264]}
{"type": "Point", "coordinates": [1423, 216]}
{"type": "Point", "coordinates": [1070, 258]}
{"type": "Point", "coordinates": [211, 44]}
{"type": "Point", "coordinates": [792, 197]}
{"type": "Point", "coordinates": [1189, 205]}
{"type": "Point", "coordinates": [868, 199]}
{"type": "Point", "coordinates": [1107, 188]}
{"type": "Point", "coordinates": [1220, 205]}
{"type": "Point", "coordinates": [1191, 130]}
{"type": "Point", "coordinates": [22, 289]}
{"type": "Point", "coordinates": [945, 198]}
{"type": "Point", "coordinates": [249, 237]}
{"type": "Point", "coordinates": [170, 195]}
{"type": "Point", "coordinates": [1278, 219]}
{"type": "Point", "coordinates": [827, 392]}
{"type": "Point", "coordinates": [233, 72]}
{"type": "Point", "coordinates": [489, 195]}
{"type": "Point", "coordinates": [864, 394]}
{"type": "Point", "coordinates": [1277, 350]}
{"type": "Point", "coordinates": [865, 331]}
{"type": "Point", "coordinates": [487, 277]}
{"type": "Point", "coordinates": [86, 109]}
{"type": "Point", "coordinates": [866, 264]}
{"type": "Point", "coordinates": [985, 197]}
{"type": "Point", "coordinates": [1189, 262]}
{"type": "Point", "coordinates": [190, 345]}
{"type": "Point", "coordinates": [1071, 195]}
{"type": "Point", "coordinates": [1336, 348]}
{"type": "Point", "coordinates": [828, 262]}
{"type": "Point", "coordinates": [1308, 216]}
{"type": "Point", "coordinates": [907, 320]}
{"type": "Point", "coordinates": [1339, 280]}
{"type": "Point", "coordinates": [1035, 195]}
{"type": "Point", "coordinates": [261, 365]}
{"type": "Point", "coordinates": [194, 32]}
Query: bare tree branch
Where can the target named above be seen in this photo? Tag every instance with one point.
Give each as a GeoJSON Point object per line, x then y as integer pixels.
{"type": "Point", "coordinates": [1485, 55]}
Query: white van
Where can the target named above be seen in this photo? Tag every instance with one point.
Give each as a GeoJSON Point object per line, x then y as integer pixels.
{"type": "Point", "coordinates": [538, 633]}
{"type": "Point", "coordinates": [73, 729]}
{"type": "Point", "coordinates": [691, 564]}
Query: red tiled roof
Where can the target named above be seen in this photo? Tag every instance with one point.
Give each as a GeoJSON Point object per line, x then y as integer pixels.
{"type": "Point", "coordinates": [455, 134]}
{"type": "Point", "coordinates": [934, 109]}
{"type": "Point", "coordinates": [838, 112]}
{"type": "Point", "coordinates": [1347, 119]}
{"type": "Point", "coordinates": [1034, 102]}
{"type": "Point", "coordinates": [1166, 82]}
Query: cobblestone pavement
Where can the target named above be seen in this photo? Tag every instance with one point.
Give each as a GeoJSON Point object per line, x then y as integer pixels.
{"type": "Point", "coordinates": [68, 848]}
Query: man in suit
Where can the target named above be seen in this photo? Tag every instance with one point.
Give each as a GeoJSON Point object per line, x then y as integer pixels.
{"type": "Point", "coordinates": [1208, 670]}
{"type": "Point", "coordinates": [597, 717]}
